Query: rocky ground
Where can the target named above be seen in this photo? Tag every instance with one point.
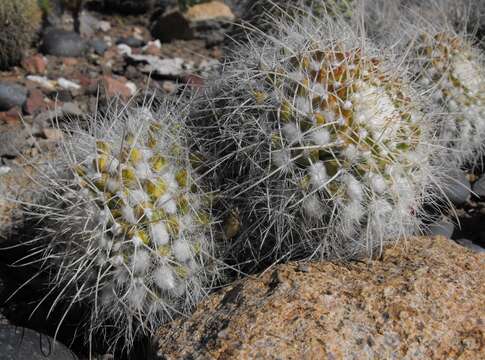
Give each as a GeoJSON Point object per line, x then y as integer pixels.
{"type": "Point", "coordinates": [68, 76]}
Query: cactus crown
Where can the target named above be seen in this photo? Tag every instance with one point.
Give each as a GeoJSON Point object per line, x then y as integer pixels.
{"type": "Point", "coordinates": [132, 222]}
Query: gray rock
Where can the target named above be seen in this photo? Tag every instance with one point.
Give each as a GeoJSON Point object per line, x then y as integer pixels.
{"type": "Point", "coordinates": [163, 67]}
{"type": "Point", "coordinates": [470, 245]}
{"type": "Point", "coordinates": [25, 344]}
{"type": "Point", "coordinates": [479, 187]}
{"type": "Point", "coordinates": [443, 227]}
{"type": "Point", "coordinates": [131, 41]}
{"type": "Point", "coordinates": [12, 141]}
{"type": "Point", "coordinates": [456, 186]}
{"type": "Point", "coordinates": [71, 109]}
{"type": "Point", "coordinates": [99, 46]}
{"type": "Point", "coordinates": [59, 42]}
{"type": "Point", "coordinates": [11, 95]}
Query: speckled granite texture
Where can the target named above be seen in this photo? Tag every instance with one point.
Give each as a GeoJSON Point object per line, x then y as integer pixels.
{"type": "Point", "coordinates": [424, 299]}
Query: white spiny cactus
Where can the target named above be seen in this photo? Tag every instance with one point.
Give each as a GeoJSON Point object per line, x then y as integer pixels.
{"type": "Point", "coordinates": [324, 137]}
{"type": "Point", "coordinates": [126, 225]}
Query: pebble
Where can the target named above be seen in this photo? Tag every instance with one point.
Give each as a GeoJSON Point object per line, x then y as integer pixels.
{"type": "Point", "coordinates": [67, 84]}
{"type": "Point", "coordinates": [99, 46]}
{"type": "Point", "coordinates": [11, 95]}
{"type": "Point", "coordinates": [104, 25]}
{"type": "Point", "coordinates": [71, 109]}
{"type": "Point", "coordinates": [42, 81]}
{"type": "Point", "coordinates": [124, 49]}
{"type": "Point", "coordinates": [456, 187]}
{"type": "Point", "coordinates": [470, 245]}
{"type": "Point", "coordinates": [479, 187]}
{"type": "Point", "coordinates": [131, 41]}
{"type": "Point", "coordinates": [60, 42]}
{"type": "Point", "coordinates": [18, 343]}
{"type": "Point", "coordinates": [443, 227]}
{"type": "Point", "coordinates": [5, 170]}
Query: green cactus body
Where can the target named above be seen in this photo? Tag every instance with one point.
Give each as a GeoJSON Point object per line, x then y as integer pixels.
{"type": "Point", "coordinates": [452, 69]}
{"type": "Point", "coordinates": [129, 226]}
{"type": "Point", "coordinates": [19, 20]}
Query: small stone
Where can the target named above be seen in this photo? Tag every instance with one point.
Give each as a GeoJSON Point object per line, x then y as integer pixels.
{"type": "Point", "coordinates": [456, 187]}
{"type": "Point", "coordinates": [35, 102]}
{"type": "Point", "coordinates": [53, 134]}
{"type": "Point", "coordinates": [443, 227]}
{"type": "Point", "coordinates": [479, 187]}
{"type": "Point", "coordinates": [42, 81]}
{"type": "Point", "coordinates": [70, 61]}
{"type": "Point", "coordinates": [72, 109]}
{"type": "Point", "coordinates": [11, 117]}
{"type": "Point", "coordinates": [470, 245]}
{"type": "Point", "coordinates": [169, 87]}
{"type": "Point", "coordinates": [153, 48]}
{"type": "Point", "coordinates": [4, 170]}
{"type": "Point", "coordinates": [132, 86]}
{"type": "Point", "coordinates": [11, 95]}
{"type": "Point", "coordinates": [36, 64]}
{"type": "Point", "coordinates": [131, 41]}
{"type": "Point", "coordinates": [116, 87]}
{"type": "Point", "coordinates": [163, 67]}
{"type": "Point", "coordinates": [25, 344]}
{"type": "Point", "coordinates": [124, 49]}
{"type": "Point", "coordinates": [104, 25]}
{"type": "Point", "coordinates": [193, 81]}
{"type": "Point", "coordinates": [99, 46]}
{"type": "Point", "coordinates": [68, 84]}
{"type": "Point", "coordinates": [60, 42]}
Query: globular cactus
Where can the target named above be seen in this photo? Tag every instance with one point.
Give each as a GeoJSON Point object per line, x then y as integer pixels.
{"type": "Point", "coordinates": [126, 226]}
{"type": "Point", "coordinates": [320, 142]}
{"type": "Point", "coordinates": [19, 22]}
{"type": "Point", "coordinates": [451, 69]}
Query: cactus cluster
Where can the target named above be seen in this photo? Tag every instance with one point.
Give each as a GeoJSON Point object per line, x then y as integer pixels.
{"type": "Point", "coordinates": [325, 141]}
{"type": "Point", "coordinates": [19, 22]}
{"type": "Point", "coordinates": [126, 225]}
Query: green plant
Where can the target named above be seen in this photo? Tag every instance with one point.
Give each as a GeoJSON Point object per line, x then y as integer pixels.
{"type": "Point", "coordinates": [19, 20]}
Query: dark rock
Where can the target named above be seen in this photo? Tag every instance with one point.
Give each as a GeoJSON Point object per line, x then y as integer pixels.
{"type": "Point", "coordinates": [130, 7]}
{"type": "Point", "coordinates": [11, 95]}
{"type": "Point", "coordinates": [470, 245]}
{"type": "Point", "coordinates": [25, 344]}
{"type": "Point", "coordinates": [99, 46]}
{"type": "Point", "coordinates": [207, 21]}
{"type": "Point", "coordinates": [131, 41]}
{"type": "Point", "coordinates": [443, 227]}
{"type": "Point", "coordinates": [479, 187]}
{"type": "Point", "coordinates": [59, 42]}
{"type": "Point", "coordinates": [456, 186]}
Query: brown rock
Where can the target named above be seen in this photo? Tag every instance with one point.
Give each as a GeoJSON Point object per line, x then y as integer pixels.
{"type": "Point", "coordinates": [53, 134]}
{"type": "Point", "coordinates": [35, 102]}
{"type": "Point", "coordinates": [35, 64]}
{"type": "Point", "coordinates": [116, 87]}
{"type": "Point", "coordinates": [11, 117]}
{"type": "Point", "coordinates": [209, 11]}
{"type": "Point", "coordinates": [424, 299]}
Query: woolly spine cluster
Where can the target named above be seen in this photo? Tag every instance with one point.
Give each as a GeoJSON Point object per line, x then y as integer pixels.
{"type": "Point", "coordinates": [453, 71]}
{"type": "Point", "coordinates": [325, 141]}
{"type": "Point", "coordinates": [127, 224]}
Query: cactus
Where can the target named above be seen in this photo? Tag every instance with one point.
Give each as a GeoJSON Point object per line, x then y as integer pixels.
{"type": "Point", "coordinates": [324, 138]}
{"type": "Point", "coordinates": [452, 69]}
{"type": "Point", "coordinates": [126, 226]}
{"type": "Point", "coordinates": [20, 20]}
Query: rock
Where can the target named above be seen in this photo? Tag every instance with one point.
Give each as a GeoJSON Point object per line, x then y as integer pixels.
{"type": "Point", "coordinates": [444, 228]}
{"type": "Point", "coordinates": [470, 245]}
{"type": "Point", "coordinates": [99, 46]}
{"type": "Point", "coordinates": [162, 67]}
{"type": "Point", "coordinates": [456, 186]}
{"type": "Point", "coordinates": [60, 42]}
{"type": "Point", "coordinates": [35, 64]}
{"type": "Point", "coordinates": [35, 102]}
{"type": "Point", "coordinates": [116, 87]}
{"type": "Point", "coordinates": [67, 84]}
{"type": "Point", "coordinates": [153, 48]}
{"type": "Point", "coordinates": [71, 109]}
{"type": "Point", "coordinates": [88, 24]}
{"type": "Point", "coordinates": [26, 344]}
{"type": "Point", "coordinates": [479, 187]}
{"type": "Point", "coordinates": [11, 95]}
{"type": "Point", "coordinates": [104, 25]}
{"type": "Point", "coordinates": [422, 300]}
{"type": "Point", "coordinates": [42, 81]}
{"type": "Point", "coordinates": [53, 134]}
{"type": "Point", "coordinates": [124, 49]}
{"type": "Point", "coordinates": [131, 41]}
{"type": "Point", "coordinates": [11, 117]}
{"type": "Point", "coordinates": [208, 21]}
